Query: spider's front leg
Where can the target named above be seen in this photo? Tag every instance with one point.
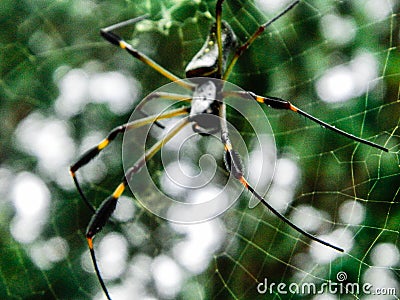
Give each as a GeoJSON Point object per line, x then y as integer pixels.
{"type": "Point", "coordinates": [95, 151]}
{"type": "Point", "coordinates": [109, 34]}
{"type": "Point", "coordinates": [234, 166]}
{"type": "Point", "coordinates": [107, 207]}
{"type": "Point", "coordinates": [99, 219]}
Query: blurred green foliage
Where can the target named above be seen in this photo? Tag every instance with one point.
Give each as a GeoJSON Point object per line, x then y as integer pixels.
{"type": "Point", "coordinates": [38, 38]}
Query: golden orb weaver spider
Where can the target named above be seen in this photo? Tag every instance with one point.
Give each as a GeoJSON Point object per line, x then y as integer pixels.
{"type": "Point", "coordinates": [215, 60]}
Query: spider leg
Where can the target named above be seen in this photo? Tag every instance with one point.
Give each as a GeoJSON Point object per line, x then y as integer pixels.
{"type": "Point", "coordinates": [107, 207]}
{"type": "Point", "coordinates": [240, 50]}
{"type": "Point", "coordinates": [94, 151]}
{"type": "Point", "coordinates": [161, 95]}
{"type": "Point", "coordinates": [278, 103]}
{"type": "Point", "coordinates": [234, 166]}
{"type": "Point", "coordinates": [109, 34]}
{"type": "Point", "coordinates": [164, 95]}
{"type": "Point", "coordinates": [145, 114]}
{"type": "Point", "coordinates": [218, 20]}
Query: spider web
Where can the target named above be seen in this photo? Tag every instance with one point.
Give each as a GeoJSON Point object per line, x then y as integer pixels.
{"type": "Point", "coordinates": [63, 89]}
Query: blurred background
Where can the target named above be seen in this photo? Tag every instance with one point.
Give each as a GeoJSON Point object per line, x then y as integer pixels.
{"type": "Point", "coordinates": [63, 87]}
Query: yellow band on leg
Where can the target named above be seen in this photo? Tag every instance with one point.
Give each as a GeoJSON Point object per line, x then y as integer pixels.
{"type": "Point", "coordinates": [119, 190]}
{"type": "Point", "coordinates": [103, 144]}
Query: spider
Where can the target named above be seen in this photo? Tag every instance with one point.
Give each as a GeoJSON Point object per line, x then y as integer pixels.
{"type": "Point", "coordinates": [207, 114]}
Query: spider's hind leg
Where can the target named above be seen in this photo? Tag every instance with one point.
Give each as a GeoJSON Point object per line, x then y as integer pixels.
{"type": "Point", "coordinates": [234, 166]}
{"type": "Point", "coordinates": [278, 103]}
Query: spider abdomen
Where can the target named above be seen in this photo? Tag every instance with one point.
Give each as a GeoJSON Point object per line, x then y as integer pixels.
{"type": "Point", "coordinates": [204, 111]}
{"type": "Point", "coordinates": [205, 62]}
